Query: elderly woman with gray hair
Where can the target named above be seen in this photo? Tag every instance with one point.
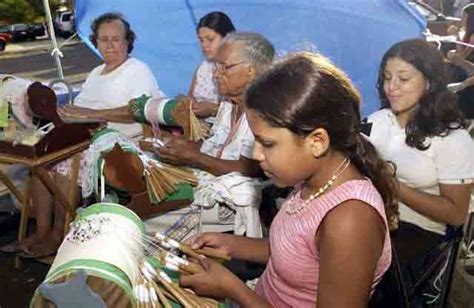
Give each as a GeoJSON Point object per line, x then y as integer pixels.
{"type": "Point", "coordinates": [228, 191]}
{"type": "Point", "coordinates": [240, 58]}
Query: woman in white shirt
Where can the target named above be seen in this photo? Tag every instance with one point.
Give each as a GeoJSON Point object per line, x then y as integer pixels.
{"type": "Point", "coordinates": [211, 29]}
{"type": "Point", "coordinates": [225, 158]}
{"type": "Point", "coordinates": [421, 130]}
{"type": "Point", "coordinates": [114, 89]}
{"type": "Point", "coordinates": [108, 87]}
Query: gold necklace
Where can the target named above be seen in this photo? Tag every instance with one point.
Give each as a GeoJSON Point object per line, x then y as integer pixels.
{"type": "Point", "coordinates": [339, 170]}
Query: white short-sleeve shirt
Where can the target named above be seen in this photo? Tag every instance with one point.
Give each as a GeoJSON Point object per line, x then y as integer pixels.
{"type": "Point", "coordinates": [448, 160]}
{"type": "Point", "coordinates": [205, 88]}
{"type": "Point", "coordinates": [241, 144]}
{"type": "Point", "coordinates": [130, 80]}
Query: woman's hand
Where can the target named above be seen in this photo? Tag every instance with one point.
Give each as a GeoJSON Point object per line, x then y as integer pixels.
{"type": "Point", "coordinates": [179, 151]}
{"type": "Point", "coordinates": [218, 241]}
{"type": "Point", "coordinates": [74, 112]}
{"type": "Point", "coordinates": [454, 56]}
{"type": "Point", "coordinates": [459, 57]}
{"type": "Point", "coordinates": [453, 31]}
{"type": "Point", "coordinates": [215, 281]}
{"type": "Point", "coordinates": [205, 109]}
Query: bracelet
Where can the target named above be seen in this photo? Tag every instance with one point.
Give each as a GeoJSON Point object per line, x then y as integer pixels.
{"type": "Point", "coordinates": [136, 107]}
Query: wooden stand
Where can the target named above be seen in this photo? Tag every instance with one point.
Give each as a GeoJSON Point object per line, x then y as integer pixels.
{"type": "Point", "coordinates": [38, 167]}
{"type": "Point", "coordinates": [124, 170]}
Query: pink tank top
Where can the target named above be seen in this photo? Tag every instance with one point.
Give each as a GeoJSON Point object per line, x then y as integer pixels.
{"type": "Point", "coordinates": [292, 273]}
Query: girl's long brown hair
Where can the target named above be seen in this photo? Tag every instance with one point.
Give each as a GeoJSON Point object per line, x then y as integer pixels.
{"type": "Point", "coordinates": [306, 91]}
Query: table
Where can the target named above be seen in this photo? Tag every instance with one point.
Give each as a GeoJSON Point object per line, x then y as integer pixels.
{"type": "Point", "coordinates": [38, 167]}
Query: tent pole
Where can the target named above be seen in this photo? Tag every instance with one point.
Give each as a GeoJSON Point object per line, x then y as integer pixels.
{"type": "Point", "coordinates": [56, 52]}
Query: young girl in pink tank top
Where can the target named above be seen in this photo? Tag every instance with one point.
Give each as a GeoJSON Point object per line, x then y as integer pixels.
{"type": "Point", "coordinates": [329, 244]}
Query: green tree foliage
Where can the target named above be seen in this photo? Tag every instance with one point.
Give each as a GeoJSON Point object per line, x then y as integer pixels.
{"type": "Point", "coordinates": [15, 11]}
{"type": "Point", "coordinates": [39, 8]}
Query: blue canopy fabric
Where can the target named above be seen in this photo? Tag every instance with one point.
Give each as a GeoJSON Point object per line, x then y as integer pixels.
{"type": "Point", "coordinates": [354, 34]}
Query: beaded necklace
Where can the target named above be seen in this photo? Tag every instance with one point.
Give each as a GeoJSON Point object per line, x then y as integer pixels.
{"type": "Point", "coordinates": [292, 210]}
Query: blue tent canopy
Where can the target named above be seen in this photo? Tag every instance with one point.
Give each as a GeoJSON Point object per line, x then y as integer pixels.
{"type": "Point", "coordinates": [353, 33]}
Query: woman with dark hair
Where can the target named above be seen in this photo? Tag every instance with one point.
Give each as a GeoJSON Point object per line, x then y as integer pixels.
{"type": "Point", "coordinates": [211, 29]}
{"type": "Point", "coordinates": [304, 113]}
{"type": "Point", "coordinates": [108, 87]}
{"type": "Point", "coordinates": [120, 79]}
{"type": "Point", "coordinates": [129, 35]}
{"type": "Point", "coordinates": [421, 130]}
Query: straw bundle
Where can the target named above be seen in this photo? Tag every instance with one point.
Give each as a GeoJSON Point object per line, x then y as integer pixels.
{"type": "Point", "coordinates": [169, 243]}
{"type": "Point", "coordinates": [154, 288]}
{"type": "Point", "coordinates": [162, 179]}
{"type": "Point", "coordinates": [124, 169]}
{"type": "Point", "coordinates": [193, 128]}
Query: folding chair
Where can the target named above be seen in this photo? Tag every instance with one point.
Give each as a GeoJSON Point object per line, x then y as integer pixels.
{"type": "Point", "coordinates": [468, 265]}
{"type": "Point", "coordinates": [446, 257]}
{"type": "Point", "coordinates": [390, 292]}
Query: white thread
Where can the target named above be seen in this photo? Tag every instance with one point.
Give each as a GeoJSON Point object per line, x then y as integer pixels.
{"type": "Point", "coordinates": [153, 295]}
{"type": "Point", "coordinates": [176, 259]}
{"type": "Point", "coordinates": [166, 245]}
{"type": "Point", "coordinates": [165, 277]}
{"type": "Point", "coordinates": [136, 292]}
{"type": "Point", "coordinates": [146, 295]}
{"type": "Point", "coordinates": [172, 266]}
{"type": "Point", "coordinates": [141, 292]}
{"type": "Point", "coordinates": [159, 236]}
{"type": "Point", "coordinates": [173, 243]}
{"type": "Point", "coordinates": [102, 181]}
{"type": "Point", "coordinates": [150, 268]}
{"type": "Point", "coordinates": [146, 273]}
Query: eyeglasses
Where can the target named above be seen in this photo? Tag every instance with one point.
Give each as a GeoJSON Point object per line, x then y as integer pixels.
{"type": "Point", "coordinates": [113, 40]}
{"type": "Point", "coordinates": [226, 67]}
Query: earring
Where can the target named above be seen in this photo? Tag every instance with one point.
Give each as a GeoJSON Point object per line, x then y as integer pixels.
{"type": "Point", "coordinates": [427, 87]}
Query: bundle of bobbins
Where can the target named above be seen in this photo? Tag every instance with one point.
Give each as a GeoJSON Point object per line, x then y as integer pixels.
{"type": "Point", "coordinates": [155, 287]}
{"type": "Point", "coordinates": [193, 128]}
